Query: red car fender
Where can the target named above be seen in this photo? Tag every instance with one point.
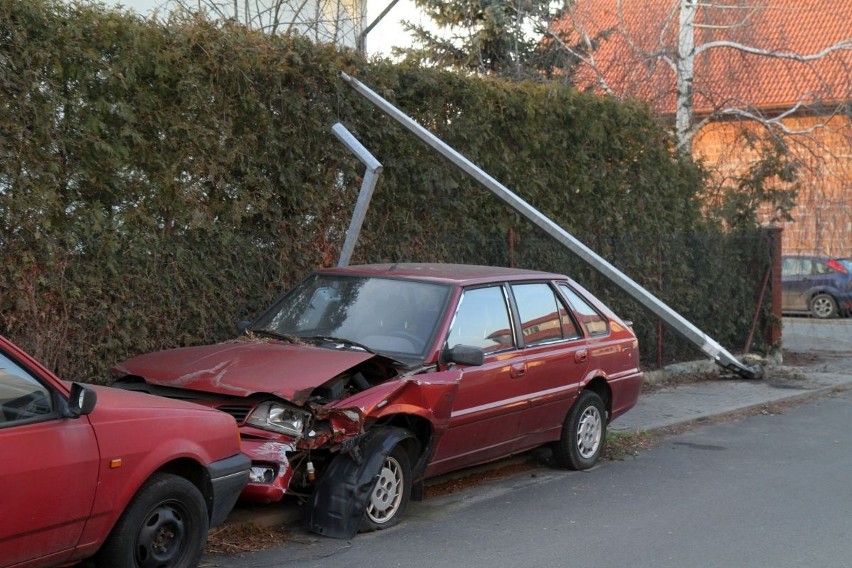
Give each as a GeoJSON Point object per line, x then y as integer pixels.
{"type": "Point", "coordinates": [125, 465]}
{"type": "Point", "coordinates": [428, 395]}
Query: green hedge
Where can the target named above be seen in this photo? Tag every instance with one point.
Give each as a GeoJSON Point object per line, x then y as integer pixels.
{"type": "Point", "coordinates": [161, 181]}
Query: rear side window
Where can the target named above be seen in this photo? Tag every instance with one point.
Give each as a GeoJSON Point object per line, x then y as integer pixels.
{"type": "Point", "coordinates": [543, 317]}
{"type": "Point", "coordinates": [790, 267]}
{"type": "Point", "coordinates": [833, 265]}
{"type": "Point", "coordinates": [590, 319]}
{"type": "Point", "coordinates": [482, 320]}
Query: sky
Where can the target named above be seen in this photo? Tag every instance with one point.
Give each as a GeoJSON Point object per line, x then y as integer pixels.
{"type": "Point", "coordinates": [382, 38]}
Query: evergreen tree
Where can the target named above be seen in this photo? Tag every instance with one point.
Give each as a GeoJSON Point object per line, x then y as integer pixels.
{"type": "Point", "coordinates": [490, 37]}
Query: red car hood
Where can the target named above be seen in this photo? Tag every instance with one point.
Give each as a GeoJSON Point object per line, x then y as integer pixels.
{"type": "Point", "coordinates": [244, 368]}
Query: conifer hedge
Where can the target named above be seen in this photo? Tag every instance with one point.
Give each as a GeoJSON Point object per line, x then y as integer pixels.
{"type": "Point", "coordinates": [160, 181]}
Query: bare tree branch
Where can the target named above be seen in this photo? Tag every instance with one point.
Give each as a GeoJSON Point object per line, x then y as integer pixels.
{"type": "Point", "coordinates": [587, 59]}
{"type": "Point", "coordinates": [320, 20]}
{"type": "Point", "coordinates": [656, 54]}
{"type": "Point", "coordinates": [841, 45]}
{"type": "Point", "coordinates": [777, 122]}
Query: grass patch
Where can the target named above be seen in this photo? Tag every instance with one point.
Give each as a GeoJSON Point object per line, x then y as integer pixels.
{"type": "Point", "coordinates": [620, 445]}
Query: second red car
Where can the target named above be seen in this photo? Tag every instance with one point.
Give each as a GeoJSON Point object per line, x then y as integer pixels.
{"type": "Point", "coordinates": [363, 381]}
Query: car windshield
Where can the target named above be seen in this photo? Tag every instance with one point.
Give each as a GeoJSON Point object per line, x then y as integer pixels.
{"type": "Point", "coordinates": [398, 317]}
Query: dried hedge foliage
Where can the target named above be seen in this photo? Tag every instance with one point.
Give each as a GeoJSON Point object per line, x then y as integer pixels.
{"type": "Point", "coordinates": [160, 181]}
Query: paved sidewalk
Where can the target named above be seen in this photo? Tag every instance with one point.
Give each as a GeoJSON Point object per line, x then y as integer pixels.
{"type": "Point", "coordinates": [690, 402]}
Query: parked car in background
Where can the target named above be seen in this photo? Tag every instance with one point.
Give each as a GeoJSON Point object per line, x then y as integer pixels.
{"type": "Point", "coordinates": [816, 285]}
{"type": "Point", "coordinates": [131, 479]}
{"type": "Point", "coordinates": [362, 381]}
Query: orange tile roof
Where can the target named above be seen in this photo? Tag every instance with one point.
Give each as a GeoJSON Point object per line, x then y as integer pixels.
{"type": "Point", "coordinates": [724, 76]}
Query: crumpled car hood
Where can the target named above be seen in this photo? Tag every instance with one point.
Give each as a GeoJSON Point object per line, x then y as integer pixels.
{"type": "Point", "coordinates": [244, 368]}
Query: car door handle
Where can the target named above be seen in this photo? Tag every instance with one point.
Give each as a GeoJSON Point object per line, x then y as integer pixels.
{"type": "Point", "coordinates": [581, 356]}
{"type": "Point", "coordinates": [518, 370]}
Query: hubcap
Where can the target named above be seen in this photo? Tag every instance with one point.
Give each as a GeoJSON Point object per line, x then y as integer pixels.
{"type": "Point", "coordinates": [822, 307]}
{"type": "Point", "coordinates": [589, 432]}
{"type": "Point", "coordinates": [160, 538]}
{"type": "Point", "coordinates": [387, 495]}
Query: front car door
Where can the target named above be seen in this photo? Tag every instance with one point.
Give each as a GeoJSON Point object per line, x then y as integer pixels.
{"type": "Point", "coordinates": [486, 410]}
{"type": "Point", "coordinates": [49, 472]}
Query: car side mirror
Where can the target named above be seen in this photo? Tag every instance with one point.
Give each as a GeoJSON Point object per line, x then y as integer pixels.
{"type": "Point", "coordinates": [81, 401]}
{"type": "Point", "coordinates": [243, 325]}
{"type": "Point", "coordinates": [464, 355]}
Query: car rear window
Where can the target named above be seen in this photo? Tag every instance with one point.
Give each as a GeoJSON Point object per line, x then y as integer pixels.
{"type": "Point", "coordinates": [594, 322]}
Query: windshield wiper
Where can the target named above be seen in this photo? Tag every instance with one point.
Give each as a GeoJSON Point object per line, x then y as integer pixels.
{"type": "Point", "coordinates": [277, 335]}
{"type": "Point", "coordinates": [343, 340]}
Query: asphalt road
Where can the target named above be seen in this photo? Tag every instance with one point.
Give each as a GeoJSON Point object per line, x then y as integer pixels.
{"type": "Point", "coordinates": [769, 490]}
{"type": "Point", "coordinates": [766, 491]}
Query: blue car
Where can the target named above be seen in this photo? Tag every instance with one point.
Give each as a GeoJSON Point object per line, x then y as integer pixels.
{"type": "Point", "coordinates": [816, 285]}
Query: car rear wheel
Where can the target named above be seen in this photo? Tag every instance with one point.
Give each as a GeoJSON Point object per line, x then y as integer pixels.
{"type": "Point", "coordinates": [583, 433]}
{"type": "Point", "coordinates": [823, 306]}
{"type": "Point", "coordinates": [389, 497]}
{"type": "Point", "coordinates": [164, 526]}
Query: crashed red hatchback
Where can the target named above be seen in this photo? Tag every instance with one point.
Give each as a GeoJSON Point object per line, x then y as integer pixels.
{"type": "Point", "coordinates": [363, 381]}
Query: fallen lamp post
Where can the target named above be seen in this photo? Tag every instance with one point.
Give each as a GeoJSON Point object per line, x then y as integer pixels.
{"type": "Point", "coordinates": [680, 324]}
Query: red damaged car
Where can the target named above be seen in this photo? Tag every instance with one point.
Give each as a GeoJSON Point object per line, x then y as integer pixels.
{"type": "Point", "coordinates": [363, 381]}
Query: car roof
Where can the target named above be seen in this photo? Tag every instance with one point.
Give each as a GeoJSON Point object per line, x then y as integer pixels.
{"type": "Point", "coordinates": [456, 274]}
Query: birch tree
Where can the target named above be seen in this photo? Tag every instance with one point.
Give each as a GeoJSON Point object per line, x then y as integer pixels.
{"type": "Point", "coordinates": [777, 75]}
{"type": "Point", "coordinates": [680, 39]}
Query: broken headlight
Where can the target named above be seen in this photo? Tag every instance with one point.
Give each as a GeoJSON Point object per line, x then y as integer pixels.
{"type": "Point", "coordinates": [279, 417]}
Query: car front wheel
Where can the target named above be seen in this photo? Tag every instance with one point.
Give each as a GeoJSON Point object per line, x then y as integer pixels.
{"type": "Point", "coordinates": [823, 306]}
{"type": "Point", "coordinates": [164, 526]}
{"type": "Point", "coordinates": [390, 495]}
{"type": "Point", "coordinates": [583, 433]}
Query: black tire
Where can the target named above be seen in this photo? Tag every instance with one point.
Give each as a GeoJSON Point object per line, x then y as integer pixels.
{"type": "Point", "coordinates": [823, 306]}
{"type": "Point", "coordinates": [164, 526]}
{"type": "Point", "coordinates": [583, 433]}
{"type": "Point", "coordinates": [389, 497]}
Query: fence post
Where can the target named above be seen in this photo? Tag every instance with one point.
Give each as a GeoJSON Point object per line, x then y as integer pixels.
{"type": "Point", "coordinates": [660, 292]}
{"type": "Point", "coordinates": [772, 327]}
{"type": "Point", "coordinates": [510, 236]}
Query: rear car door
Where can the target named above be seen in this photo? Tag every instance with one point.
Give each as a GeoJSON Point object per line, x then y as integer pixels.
{"type": "Point", "coordinates": [795, 283]}
{"type": "Point", "coordinates": [487, 408]}
{"type": "Point", "coordinates": [49, 472]}
{"type": "Point", "coordinates": [556, 359]}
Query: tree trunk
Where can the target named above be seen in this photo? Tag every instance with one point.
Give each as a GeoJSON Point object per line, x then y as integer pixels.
{"type": "Point", "coordinates": [685, 73]}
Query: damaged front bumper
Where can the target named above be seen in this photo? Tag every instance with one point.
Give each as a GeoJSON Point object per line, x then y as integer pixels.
{"type": "Point", "coordinates": [271, 471]}
{"type": "Point", "coordinates": [282, 465]}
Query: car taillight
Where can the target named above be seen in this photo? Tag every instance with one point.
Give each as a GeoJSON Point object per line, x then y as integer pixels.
{"type": "Point", "coordinates": [834, 265]}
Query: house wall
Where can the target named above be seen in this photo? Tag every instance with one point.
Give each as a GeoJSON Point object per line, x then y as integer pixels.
{"type": "Point", "coordinates": [822, 217]}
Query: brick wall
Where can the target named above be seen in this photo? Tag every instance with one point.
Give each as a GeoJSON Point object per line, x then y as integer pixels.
{"type": "Point", "coordinates": [822, 218]}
